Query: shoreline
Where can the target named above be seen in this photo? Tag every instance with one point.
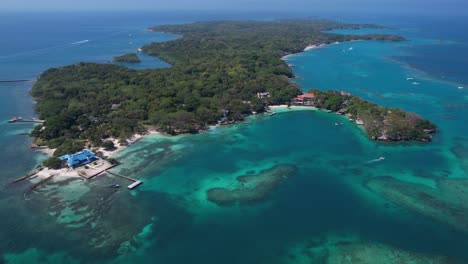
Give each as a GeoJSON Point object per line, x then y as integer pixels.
{"type": "Point", "coordinates": [310, 47]}
{"type": "Point", "coordinates": [136, 137]}
{"type": "Point", "coordinates": [292, 108]}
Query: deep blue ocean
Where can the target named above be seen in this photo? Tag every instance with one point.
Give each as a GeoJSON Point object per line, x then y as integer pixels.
{"type": "Point", "coordinates": [338, 204]}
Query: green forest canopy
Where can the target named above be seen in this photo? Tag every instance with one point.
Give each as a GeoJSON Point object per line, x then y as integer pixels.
{"type": "Point", "coordinates": [217, 69]}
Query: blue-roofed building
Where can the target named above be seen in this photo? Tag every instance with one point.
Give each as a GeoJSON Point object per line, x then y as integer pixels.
{"type": "Point", "coordinates": [64, 157]}
{"type": "Point", "coordinates": [79, 159]}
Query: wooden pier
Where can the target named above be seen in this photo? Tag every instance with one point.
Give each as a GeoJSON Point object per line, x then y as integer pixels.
{"type": "Point", "coordinates": [22, 120]}
{"type": "Point", "coordinates": [132, 186]}
{"type": "Point", "coordinates": [15, 81]}
{"type": "Point", "coordinates": [34, 186]}
{"type": "Point", "coordinates": [22, 178]}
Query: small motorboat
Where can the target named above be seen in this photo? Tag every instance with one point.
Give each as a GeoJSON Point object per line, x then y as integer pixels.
{"type": "Point", "coordinates": [115, 186]}
{"type": "Point", "coordinates": [381, 158]}
{"type": "Point", "coordinates": [338, 124]}
{"type": "Point", "coordinates": [272, 114]}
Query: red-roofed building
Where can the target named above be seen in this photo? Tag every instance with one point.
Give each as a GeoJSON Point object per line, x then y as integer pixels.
{"type": "Point", "coordinates": [304, 99]}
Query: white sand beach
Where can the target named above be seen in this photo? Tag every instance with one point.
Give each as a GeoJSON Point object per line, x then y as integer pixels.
{"type": "Point", "coordinates": [285, 108]}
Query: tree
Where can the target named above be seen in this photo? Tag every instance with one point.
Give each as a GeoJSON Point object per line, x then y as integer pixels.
{"type": "Point", "coordinates": [108, 145]}
{"type": "Point", "coordinates": [53, 163]}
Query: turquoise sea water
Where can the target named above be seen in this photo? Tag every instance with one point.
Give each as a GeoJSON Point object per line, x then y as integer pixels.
{"type": "Point", "coordinates": [169, 219]}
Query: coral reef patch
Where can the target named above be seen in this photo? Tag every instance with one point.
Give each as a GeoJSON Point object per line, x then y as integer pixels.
{"type": "Point", "coordinates": [447, 203]}
{"type": "Point", "coordinates": [252, 189]}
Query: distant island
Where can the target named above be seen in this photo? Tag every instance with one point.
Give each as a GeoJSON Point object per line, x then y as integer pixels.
{"type": "Point", "coordinates": [128, 58]}
{"type": "Point", "coordinates": [221, 72]}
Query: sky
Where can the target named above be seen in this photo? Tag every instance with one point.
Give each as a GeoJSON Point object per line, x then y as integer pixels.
{"type": "Point", "coordinates": [268, 5]}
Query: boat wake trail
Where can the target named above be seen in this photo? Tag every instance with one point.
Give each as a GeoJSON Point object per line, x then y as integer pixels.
{"type": "Point", "coordinates": [79, 42]}
{"type": "Point", "coordinates": [375, 160]}
{"type": "Point", "coordinates": [41, 51]}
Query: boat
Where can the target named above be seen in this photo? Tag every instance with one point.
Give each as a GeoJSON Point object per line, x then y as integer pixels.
{"type": "Point", "coordinates": [409, 79]}
{"type": "Point", "coordinates": [338, 124]}
{"type": "Point", "coordinates": [381, 158]}
{"type": "Point", "coordinates": [416, 83]}
{"type": "Point", "coordinates": [272, 114]}
{"type": "Point", "coordinates": [15, 119]}
{"type": "Point", "coordinates": [460, 87]}
{"type": "Point", "coordinates": [115, 186]}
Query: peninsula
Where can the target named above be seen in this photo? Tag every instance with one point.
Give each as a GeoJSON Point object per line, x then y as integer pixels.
{"type": "Point", "coordinates": [221, 72]}
{"type": "Point", "coordinates": [128, 58]}
{"type": "Point", "coordinates": [380, 123]}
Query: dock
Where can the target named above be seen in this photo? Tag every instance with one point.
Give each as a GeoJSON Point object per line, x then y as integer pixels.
{"type": "Point", "coordinates": [17, 119]}
{"type": "Point", "coordinates": [22, 178]}
{"type": "Point", "coordinates": [132, 186]}
{"type": "Point", "coordinates": [14, 81]}
{"type": "Point", "coordinates": [34, 186]}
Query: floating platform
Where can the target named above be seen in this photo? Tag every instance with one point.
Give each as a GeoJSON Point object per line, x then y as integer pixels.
{"type": "Point", "coordinates": [134, 185]}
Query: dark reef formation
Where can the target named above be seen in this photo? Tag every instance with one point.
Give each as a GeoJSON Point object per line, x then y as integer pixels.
{"type": "Point", "coordinates": [448, 203]}
{"type": "Point", "coordinates": [352, 250]}
{"type": "Point", "coordinates": [252, 189]}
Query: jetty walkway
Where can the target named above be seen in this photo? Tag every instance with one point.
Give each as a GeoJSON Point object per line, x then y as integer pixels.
{"type": "Point", "coordinates": [132, 186]}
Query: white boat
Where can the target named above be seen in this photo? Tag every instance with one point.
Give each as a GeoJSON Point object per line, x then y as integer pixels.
{"type": "Point", "coordinates": [375, 160]}
{"type": "Point", "coordinates": [416, 83]}
{"type": "Point", "coordinates": [460, 87]}
{"type": "Point", "coordinates": [409, 79]}
{"type": "Point", "coordinates": [351, 48]}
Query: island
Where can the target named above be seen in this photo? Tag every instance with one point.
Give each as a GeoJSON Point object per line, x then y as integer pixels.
{"type": "Point", "coordinates": [128, 58]}
{"type": "Point", "coordinates": [221, 72]}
